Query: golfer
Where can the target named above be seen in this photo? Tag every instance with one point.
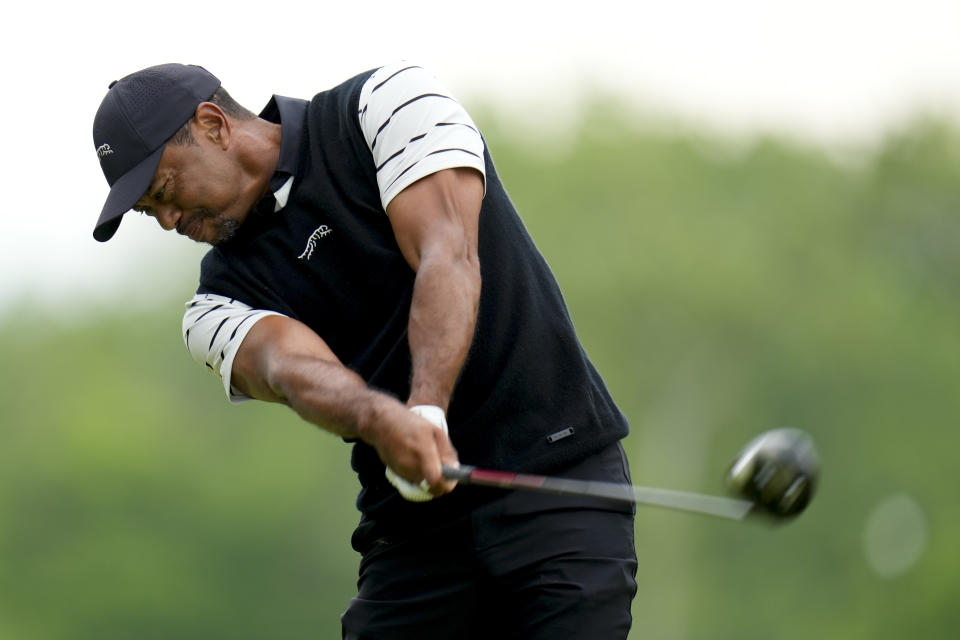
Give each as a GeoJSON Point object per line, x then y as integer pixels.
{"type": "Point", "coordinates": [369, 271]}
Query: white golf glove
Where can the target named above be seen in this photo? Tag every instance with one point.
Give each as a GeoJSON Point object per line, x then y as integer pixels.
{"type": "Point", "coordinates": [410, 491]}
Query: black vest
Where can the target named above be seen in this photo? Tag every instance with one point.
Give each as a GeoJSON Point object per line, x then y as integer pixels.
{"type": "Point", "coordinates": [528, 398]}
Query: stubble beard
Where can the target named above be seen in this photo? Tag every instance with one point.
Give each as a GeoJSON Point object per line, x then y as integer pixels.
{"type": "Point", "coordinates": [226, 230]}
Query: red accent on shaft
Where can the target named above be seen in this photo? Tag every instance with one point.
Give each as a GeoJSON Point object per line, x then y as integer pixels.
{"type": "Point", "coordinates": [505, 479]}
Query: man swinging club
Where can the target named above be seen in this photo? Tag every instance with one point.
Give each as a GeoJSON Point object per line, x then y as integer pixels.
{"type": "Point", "coordinates": [369, 271]}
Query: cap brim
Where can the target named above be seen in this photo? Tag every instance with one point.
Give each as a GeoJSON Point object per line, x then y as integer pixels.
{"type": "Point", "coordinates": [124, 194]}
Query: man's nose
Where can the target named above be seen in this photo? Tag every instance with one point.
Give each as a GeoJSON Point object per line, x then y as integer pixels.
{"type": "Point", "coordinates": [168, 216]}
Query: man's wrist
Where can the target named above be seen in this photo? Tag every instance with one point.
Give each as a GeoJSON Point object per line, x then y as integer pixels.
{"type": "Point", "coordinates": [371, 417]}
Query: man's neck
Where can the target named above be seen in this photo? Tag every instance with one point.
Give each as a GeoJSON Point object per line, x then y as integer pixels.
{"type": "Point", "coordinates": [260, 152]}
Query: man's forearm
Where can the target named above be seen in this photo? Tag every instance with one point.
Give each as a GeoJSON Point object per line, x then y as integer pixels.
{"type": "Point", "coordinates": [443, 317]}
{"type": "Point", "coordinates": [338, 400]}
{"type": "Point", "coordinates": [436, 224]}
{"type": "Point", "coordinates": [324, 393]}
{"type": "Point", "coordinates": [282, 360]}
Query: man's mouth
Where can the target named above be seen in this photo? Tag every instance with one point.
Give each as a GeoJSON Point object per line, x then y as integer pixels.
{"type": "Point", "coordinates": [192, 228]}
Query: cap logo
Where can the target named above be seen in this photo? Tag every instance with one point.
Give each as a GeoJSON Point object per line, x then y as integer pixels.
{"type": "Point", "coordinates": [104, 150]}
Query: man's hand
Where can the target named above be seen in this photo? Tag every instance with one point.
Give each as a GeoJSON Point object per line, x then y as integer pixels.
{"type": "Point", "coordinates": [423, 491]}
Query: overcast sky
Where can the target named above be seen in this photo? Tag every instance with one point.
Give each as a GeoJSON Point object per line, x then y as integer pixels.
{"type": "Point", "coordinates": [838, 72]}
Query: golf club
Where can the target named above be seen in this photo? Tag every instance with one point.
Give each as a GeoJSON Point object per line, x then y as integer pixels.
{"type": "Point", "coordinates": [730, 508]}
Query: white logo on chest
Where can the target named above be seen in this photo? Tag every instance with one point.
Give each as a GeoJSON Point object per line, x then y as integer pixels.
{"type": "Point", "coordinates": [320, 232]}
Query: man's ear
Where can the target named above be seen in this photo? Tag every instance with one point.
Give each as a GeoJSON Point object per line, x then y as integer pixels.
{"type": "Point", "coordinates": [212, 123]}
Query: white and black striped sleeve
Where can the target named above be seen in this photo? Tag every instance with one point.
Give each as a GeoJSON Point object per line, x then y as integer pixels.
{"type": "Point", "coordinates": [414, 127]}
{"type": "Point", "coordinates": [213, 328]}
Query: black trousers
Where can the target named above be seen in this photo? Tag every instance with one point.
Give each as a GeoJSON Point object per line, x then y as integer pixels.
{"type": "Point", "coordinates": [526, 566]}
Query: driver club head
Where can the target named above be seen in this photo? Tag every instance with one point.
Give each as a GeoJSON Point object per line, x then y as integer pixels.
{"type": "Point", "coordinates": [778, 470]}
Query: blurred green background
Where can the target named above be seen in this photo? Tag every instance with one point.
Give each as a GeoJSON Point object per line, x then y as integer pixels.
{"type": "Point", "coordinates": [723, 286]}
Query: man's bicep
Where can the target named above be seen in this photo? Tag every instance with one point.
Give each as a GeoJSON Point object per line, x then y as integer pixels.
{"type": "Point", "coordinates": [438, 212]}
{"type": "Point", "coordinates": [267, 348]}
{"type": "Point", "coordinates": [214, 326]}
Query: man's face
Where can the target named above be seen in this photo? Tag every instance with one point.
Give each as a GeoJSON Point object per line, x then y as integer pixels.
{"type": "Point", "coordinates": [197, 190]}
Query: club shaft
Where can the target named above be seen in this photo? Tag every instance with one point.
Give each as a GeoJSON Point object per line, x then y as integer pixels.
{"type": "Point", "coordinates": [680, 500]}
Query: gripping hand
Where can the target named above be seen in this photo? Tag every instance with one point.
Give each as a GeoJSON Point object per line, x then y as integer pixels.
{"type": "Point", "coordinates": [421, 492]}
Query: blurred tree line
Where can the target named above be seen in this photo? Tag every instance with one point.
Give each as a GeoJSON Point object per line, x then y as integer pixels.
{"type": "Point", "coordinates": [722, 287]}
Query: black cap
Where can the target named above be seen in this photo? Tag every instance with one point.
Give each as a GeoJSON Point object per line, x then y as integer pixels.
{"type": "Point", "coordinates": [136, 118]}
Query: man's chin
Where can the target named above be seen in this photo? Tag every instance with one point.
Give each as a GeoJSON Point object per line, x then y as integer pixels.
{"type": "Point", "coordinates": [226, 230]}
